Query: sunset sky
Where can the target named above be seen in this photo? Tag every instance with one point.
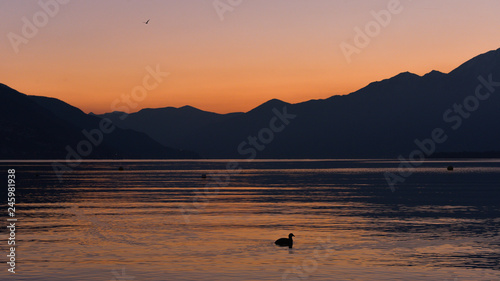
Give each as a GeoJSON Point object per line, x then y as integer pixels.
{"type": "Point", "coordinates": [90, 53]}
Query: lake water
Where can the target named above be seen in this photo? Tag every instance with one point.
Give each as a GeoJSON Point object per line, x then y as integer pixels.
{"type": "Point", "coordinates": [160, 220]}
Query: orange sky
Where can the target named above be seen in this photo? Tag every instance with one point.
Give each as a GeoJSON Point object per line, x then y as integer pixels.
{"type": "Point", "coordinates": [90, 53]}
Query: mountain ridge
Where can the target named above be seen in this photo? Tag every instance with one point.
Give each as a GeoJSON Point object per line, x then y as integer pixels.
{"type": "Point", "coordinates": [384, 119]}
{"type": "Point", "coordinates": [404, 74]}
{"type": "Point", "coordinates": [34, 127]}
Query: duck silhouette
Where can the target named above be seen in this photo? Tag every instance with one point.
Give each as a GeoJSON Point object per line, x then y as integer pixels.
{"type": "Point", "coordinates": [285, 241]}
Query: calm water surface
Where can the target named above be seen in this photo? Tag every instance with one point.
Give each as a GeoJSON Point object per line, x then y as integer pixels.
{"type": "Point", "coordinates": [160, 220]}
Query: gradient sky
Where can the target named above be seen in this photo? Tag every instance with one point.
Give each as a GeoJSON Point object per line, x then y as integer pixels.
{"type": "Point", "coordinates": [91, 52]}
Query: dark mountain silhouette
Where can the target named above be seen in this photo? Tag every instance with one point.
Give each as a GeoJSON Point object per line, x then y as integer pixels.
{"type": "Point", "coordinates": [170, 126]}
{"type": "Point", "coordinates": [382, 119]}
{"type": "Point", "coordinates": [28, 131]}
{"type": "Point", "coordinates": [41, 128]}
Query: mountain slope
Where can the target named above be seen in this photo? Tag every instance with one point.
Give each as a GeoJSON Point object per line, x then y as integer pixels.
{"type": "Point", "coordinates": [41, 128]}
{"type": "Point", "coordinates": [28, 131]}
{"type": "Point", "coordinates": [382, 119]}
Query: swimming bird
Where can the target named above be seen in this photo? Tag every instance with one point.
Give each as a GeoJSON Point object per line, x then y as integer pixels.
{"type": "Point", "coordinates": [146, 22]}
{"type": "Point", "coordinates": [285, 241]}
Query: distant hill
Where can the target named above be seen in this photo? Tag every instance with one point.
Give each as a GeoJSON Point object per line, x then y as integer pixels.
{"type": "Point", "coordinates": [170, 126]}
{"type": "Point", "coordinates": [382, 119]}
{"type": "Point", "coordinates": [34, 127]}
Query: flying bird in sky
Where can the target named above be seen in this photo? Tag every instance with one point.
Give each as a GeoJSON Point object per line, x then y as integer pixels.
{"type": "Point", "coordinates": [146, 22]}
